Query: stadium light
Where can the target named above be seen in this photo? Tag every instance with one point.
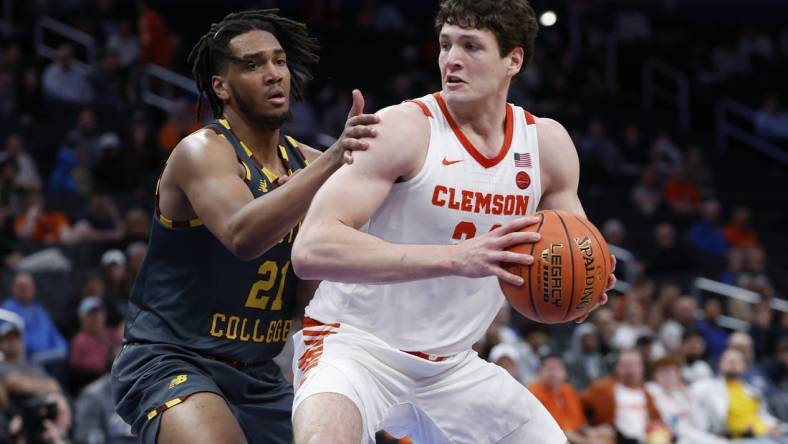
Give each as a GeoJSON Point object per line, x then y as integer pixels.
{"type": "Point", "coordinates": [548, 18]}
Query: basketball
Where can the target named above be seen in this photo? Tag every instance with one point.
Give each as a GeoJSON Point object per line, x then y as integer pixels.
{"type": "Point", "coordinates": [569, 273]}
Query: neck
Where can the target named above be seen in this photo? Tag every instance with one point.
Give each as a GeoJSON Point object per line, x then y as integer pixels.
{"type": "Point", "coordinates": [485, 118]}
{"type": "Point", "coordinates": [263, 141]}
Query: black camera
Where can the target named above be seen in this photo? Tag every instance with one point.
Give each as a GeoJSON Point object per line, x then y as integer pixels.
{"type": "Point", "coordinates": [34, 412]}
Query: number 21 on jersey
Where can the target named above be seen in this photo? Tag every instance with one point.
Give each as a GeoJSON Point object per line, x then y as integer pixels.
{"type": "Point", "coordinates": [259, 294]}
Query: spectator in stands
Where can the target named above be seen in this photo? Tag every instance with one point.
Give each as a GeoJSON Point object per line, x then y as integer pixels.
{"type": "Point", "coordinates": [734, 267]}
{"type": "Point", "coordinates": [94, 414]}
{"type": "Point", "coordinates": [10, 195]}
{"type": "Point", "coordinates": [682, 319]}
{"type": "Point", "coordinates": [715, 335]}
{"type": "Point", "coordinates": [763, 331]}
{"type": "Point", "coordinates": [693, 355]}
{"type": "Point", "coordinates": [62, 82]}
{"type": "Point", "coordinates": [64, 177]}
{"type": "Point", "coordinates": [42, 339]}
{"type": "Point", "coordinates": [563, 402]}
{"type": "Point", "coordinates": [113, 263]}
{"type": "Point", "coordinates": [632, 325]}
{"type": "Point", "coordinates": [533, 345]}
{"type": "Point", "coordinates": [109, 171]}
{"type": "Point", "coordinates": [154, 37]}
{"type": "Point", "coordinates": [727, 406]}
{"type": "Point", "coordinates": [739, 232]}
{"type": "Point", "coordinates": [180, 123]}
{"type": "Point", "coordinates": [136, 253]}
{"type": "Point", "coordinates": [647, 194]}
{"type": "Point", "coordinates": [598, 153]}
{"type": "Point", "coordinates": [38, 225]}
{"type": "Point", "coordinates": [620, 401]}
{"type": "Point", "coordinates": [672, 398]}
{"type": "Point", "coordinates": [634, 155]}
{"type": "Point", "coordinates": [84, 139]}
{"type": "Point", "coordinates": [125, 44]}
{"type": "Point", "coordinates": [102, 221]}
{"type": "Point", "coordinates": [583, 359]}
{"type": "Point", "coordinates": [771, 121]}
{"type": "Point", "coordinates": [27, 176]}
{"type": "Point", "coordinates": [92, 345]}
{"type": "Point", "coordinates": [681, 192]}
{"type": "Point", "coordinates": [606, 325]}
{"type": "Point", "coordinates": [754, 276]}
{"type": "Point", "coordinates": [24, 381]}
{"type": "Point", "coordinates": [109, 81]}
{"type": "Point", "coordinates": [754, 374]}
{"type": "Point", "coordinates": [707, 234]}
{"type": "Point", "coordinates": [777, 365]}
{"type": "Point", "coordinates": [505, 355]}
{"type": "Point", "coordinates": [29, 96]}
{"type": "Point", "coordinates": [137, 224]}
{"type": "Point", "coordinates": [698, 169]}
{"type": "Point", "coordinates": [669, 260]}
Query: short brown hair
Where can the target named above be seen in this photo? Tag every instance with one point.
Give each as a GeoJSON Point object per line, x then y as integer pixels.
{"type": "Point", "coordinates": [513, 22]}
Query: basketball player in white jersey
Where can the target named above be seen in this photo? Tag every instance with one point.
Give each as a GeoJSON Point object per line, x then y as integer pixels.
{"type": "Point", "coordinates": [409, 241]}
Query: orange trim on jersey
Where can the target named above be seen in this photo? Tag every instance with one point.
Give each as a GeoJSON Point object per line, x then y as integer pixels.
{"type": "Point", "coordinates": [423, 107]}
{"type": "Point", "coordinates": [481, 158]}
{"type": "Point", "coordinates": [529, 118]}
{"type": "Point", "coordinates": [314, 333]}
{"type": "Point", "coordinates": [309, 322]}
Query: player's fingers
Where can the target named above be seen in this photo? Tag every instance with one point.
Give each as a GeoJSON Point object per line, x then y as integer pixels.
{"type": "Point", "coordinates": [613, 259]}
{"type": "Point", "coordinates": [363, 119]}
{"type": "Point", "coordinates": [354, 144]}
{"type": "Point", "coordinates": [358, 104]}
{"type": "Point", "coordinates": [611, 282]}
{"type": "Point", "coordinates": [518, 237]}
{"type": "Point", "coordinates": [360, 132]}
{"type": "Point", "coordinates": [513, 258]}
{"type": "Point", "coordinates": [347, 156]}
{"type": "Point", "coordinates": [602, 301]}
{"type": "Point", "coordinates": [507, 277]}
{"type": "Point", "coordinates": [517, 224]}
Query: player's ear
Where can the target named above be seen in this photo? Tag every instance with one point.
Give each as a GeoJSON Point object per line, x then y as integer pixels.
{"type": "Point", "coordinates": [515, 59]}
{"type": "Point", "coordinates": [220, 88]}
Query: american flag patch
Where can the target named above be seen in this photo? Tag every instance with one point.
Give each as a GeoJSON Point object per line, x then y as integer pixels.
{"type": "Point", "coordinates": [522, 160]}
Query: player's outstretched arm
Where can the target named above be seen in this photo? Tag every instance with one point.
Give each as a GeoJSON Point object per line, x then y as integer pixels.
{"type": "Point", "coordinates": [330, 245]}
{"type": "Point", "coordinates": [561, 177]}
{"type": "Point", "coordinates": [209, 178]}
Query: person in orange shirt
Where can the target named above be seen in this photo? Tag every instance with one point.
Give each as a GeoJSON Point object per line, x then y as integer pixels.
{"type": "Point", "coordinates": [682, 193]}
{"type": "Point", "coordinates": [180, 123]}
{"type": "Point", "coordinates": [739, 232]}
{"type": "Point", "coordinates": [563, 402]}
{"type": "Point", "coordinates": [41, 226]}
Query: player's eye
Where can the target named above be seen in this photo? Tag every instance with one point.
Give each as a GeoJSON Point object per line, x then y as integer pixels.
{"type": "Point", "coordinates": [251, 66]}
{"type": "Point", "coordinates": [445, 46]}
{"type": "Point", "coordinates": [471, 47]}
{"type": "Point", "coordinates": [281, 62]}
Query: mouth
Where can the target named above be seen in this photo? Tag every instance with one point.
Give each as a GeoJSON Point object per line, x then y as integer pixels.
{"type": "Point", "coordinates": [454, 81]}
{"type": "Point", "coordinates": [277, 97]}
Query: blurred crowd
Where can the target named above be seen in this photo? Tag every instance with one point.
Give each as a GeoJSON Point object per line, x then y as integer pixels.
{"type": "Point", "coordinates": [81, 151]}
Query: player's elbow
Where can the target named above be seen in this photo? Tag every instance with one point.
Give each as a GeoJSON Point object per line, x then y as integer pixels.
{"type": "Point", "coordinates": [304, 259]}
{"type": "Point", "coordinates": [241, 246]}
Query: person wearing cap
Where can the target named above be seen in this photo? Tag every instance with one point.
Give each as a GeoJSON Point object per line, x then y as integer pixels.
{"type": "Point", "coordinates": [91, 346]}
{"type": "Point", "coordinates": [113, 262]}
{"type": "Point", "coordinates": [505, 355]}
{"type": "Point", "coordinates": [42, 339]}
{"type": "Point", "coordinates": [563, 402]}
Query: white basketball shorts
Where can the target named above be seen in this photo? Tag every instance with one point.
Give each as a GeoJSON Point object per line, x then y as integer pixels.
{"type": "Point", "coordinates": [433, 400]}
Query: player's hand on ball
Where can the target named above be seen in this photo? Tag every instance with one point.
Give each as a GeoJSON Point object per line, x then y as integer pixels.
{"type": "Point", "coordinates": [611, 284]}
{"type": "Point", "coordinates": [357, 128]}
{"type": "Point", "coordinates": [484, 255]}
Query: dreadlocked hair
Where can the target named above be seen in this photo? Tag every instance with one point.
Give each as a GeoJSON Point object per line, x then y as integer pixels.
{"type": "Point", "coordinates": [211, 51]}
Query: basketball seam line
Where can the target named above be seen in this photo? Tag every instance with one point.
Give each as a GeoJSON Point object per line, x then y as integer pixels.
{"type": "Point", "coordinates": [572, 261]}
{"type": "Point", "coordinates": [530, 288]}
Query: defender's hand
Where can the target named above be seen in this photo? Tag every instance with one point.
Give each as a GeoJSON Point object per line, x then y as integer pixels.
{"type": "Point", "coordinates": [357, 128]}
{"type": "Point", "coordinates": [611, 283]}
{"type": "Point", "coordinates": [483, 255]}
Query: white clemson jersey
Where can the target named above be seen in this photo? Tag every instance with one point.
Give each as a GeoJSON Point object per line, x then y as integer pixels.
{"type": "Point", "coordinates": [458, 194]}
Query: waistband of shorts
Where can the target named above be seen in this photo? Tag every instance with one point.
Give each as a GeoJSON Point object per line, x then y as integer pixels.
{"type": "Point", "coordinates": [310, 322]}
{"type": "Point", "coordinates": [231, 362]}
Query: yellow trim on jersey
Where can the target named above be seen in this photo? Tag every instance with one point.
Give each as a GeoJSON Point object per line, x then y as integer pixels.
{"type": "Point", "coordinates": [295, 146]}
{"type": "Point", "coordinates": [167, 405]}
{"type": "Point", "coordinates": [248, 172]}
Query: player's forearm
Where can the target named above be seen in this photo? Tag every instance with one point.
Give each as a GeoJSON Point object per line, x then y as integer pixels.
{"type": "Point", "coordinates": [342, 254]}
{"type": "Point", "coordinates": [262, 223]}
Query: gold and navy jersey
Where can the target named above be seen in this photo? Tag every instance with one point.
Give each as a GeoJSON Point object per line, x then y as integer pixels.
{"type": "Point", "coordinates": [193, 292]}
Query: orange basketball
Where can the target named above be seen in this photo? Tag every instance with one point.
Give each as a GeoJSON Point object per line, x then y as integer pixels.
{"type": "Point", "coordinates": [569, 273]}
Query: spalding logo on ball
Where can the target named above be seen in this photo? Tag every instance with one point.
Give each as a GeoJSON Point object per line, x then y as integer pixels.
{"type": "Point", "coordinates": [569, 273]}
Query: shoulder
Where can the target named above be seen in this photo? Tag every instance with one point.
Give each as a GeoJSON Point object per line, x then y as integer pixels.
{"type": "Point", "coordinates": [202, 149]}
{"type": "Point", "coordinates": [404, 125]}
{"type": "Point", "coordinates": [558, 158]}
